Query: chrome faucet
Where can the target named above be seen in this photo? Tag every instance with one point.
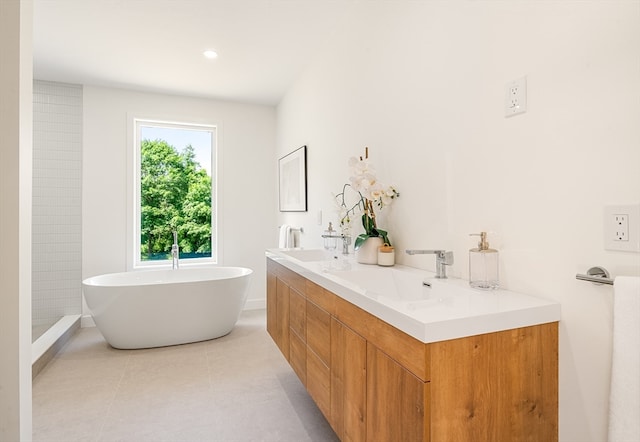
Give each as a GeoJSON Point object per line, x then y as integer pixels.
{"type": "Point", "coordinates": [175, 252]}
{"type": "Point", "coordinates": [443, 258]}
{"type": "Point", "coordinates": [346, 240]}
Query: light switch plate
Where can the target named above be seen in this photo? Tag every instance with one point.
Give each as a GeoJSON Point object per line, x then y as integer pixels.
{"type": "Point", "coordinates": [622, 228]}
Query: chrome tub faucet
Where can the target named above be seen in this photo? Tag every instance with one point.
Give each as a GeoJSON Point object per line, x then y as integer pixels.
{"type": "Point", "coordinates": [443, 258]}
{"type": "Point", "coordinates": [175, 252]}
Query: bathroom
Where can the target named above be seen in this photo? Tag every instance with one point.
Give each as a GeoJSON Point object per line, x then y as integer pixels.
{"type": "Point", "coordinates": [422, 85]}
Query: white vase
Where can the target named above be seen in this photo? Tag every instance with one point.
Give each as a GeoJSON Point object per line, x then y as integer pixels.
{"type": "Point", "coordinates": [368, 251]}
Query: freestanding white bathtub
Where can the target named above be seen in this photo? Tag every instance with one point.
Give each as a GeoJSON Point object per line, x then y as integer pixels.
{"type": "Point", "coordinates": [156, 308]}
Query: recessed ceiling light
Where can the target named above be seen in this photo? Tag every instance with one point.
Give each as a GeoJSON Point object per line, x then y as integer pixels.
{"type": "Point", "coordinates": [211, 54]}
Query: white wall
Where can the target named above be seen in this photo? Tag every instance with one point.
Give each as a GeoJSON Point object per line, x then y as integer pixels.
{"type": "Point", "coordinates": [422, 84]}
{"type": "Point", "coordinates": [247, 143]}
{"type": "Point", "coordinates": [16, 108]}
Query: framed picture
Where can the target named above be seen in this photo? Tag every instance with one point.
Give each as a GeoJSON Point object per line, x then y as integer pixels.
{"type": "Point", "coordinates": [293, 181]}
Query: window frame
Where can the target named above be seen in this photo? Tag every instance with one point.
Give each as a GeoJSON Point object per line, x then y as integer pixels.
{"type": "Point", "coordinates": [137, 122]}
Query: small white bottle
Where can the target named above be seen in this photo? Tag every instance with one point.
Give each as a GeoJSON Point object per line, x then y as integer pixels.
{"type": "Point", "coordinates": [483, 265]}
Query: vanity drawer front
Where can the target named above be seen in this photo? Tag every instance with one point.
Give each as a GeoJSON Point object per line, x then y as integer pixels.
{"type": "Point", "coordinates": [512, 374]}
{"type": "Point", "coordinates": [319, 332]}
{"type": "Point", "coordinates": [298, 357]}
{"type": "Point", "coordinates": [320, 297]}
{"type": "Point", "coordinates": [272, 318]}
{"type": "Point", "coordinates": [293, 279]}
{"type": "Point", "coordinates": [290, 277]}
{"type": "Point", "coordinates": [408, 351]}
{"type": "Point", "coordinates": [348, 383]}
{"type": "Point", "coordinates": [397, 401]}
{"type": "Point", "coordinates": [298, 313]}
{"type": "Point", "coordinates": [319, 383]}
{"type": "Point", "coordinates": [282, 314]}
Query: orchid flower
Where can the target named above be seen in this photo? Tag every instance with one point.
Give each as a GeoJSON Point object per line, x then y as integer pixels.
{"type": "Point", "coordinates": [370, 191]}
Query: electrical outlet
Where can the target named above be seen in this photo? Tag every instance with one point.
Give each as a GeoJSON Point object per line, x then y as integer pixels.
{"type": "Point", "coordinates": [515, 101]}
{"type": "Point", "coordinates": [622, 228]}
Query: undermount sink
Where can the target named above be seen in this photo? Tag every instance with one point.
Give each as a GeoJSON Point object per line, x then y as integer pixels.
{"type": "Point", "coordinates": [307, 255]}
{"type": "Point", "coordinates": [393, 285]}
{"type": "Point", "coordinates": [428, 298]}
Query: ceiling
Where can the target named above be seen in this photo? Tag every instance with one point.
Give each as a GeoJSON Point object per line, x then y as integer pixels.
{"type": "Point", "coordinates": [157, 45]}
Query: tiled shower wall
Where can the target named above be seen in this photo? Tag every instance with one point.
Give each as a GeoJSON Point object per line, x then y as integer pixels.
{"type": "Point", "coordinates": [57, 202]}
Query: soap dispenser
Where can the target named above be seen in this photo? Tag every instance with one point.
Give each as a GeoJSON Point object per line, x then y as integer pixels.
{"type": "Point", "coordinates": [330, 238]}
{"type": "Point", "coordinates": [483, 265]}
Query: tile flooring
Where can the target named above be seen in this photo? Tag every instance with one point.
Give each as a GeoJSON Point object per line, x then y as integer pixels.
{"type": "Point", "coordinates": [235, 388]}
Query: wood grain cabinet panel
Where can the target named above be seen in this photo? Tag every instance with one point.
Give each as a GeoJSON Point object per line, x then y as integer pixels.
{"type": "Point", "coordinates": [395, 401]}
{"type": "Point", "coordinates": [319, 357]}
{"type": "Point", "coordinates": [319, 332]}
{"type": "Point", "coordinates": [298, 313]}
{"type": "Point", "coordinates": [282, 314]}
{"type": "Point", "coordinates": [497, 386]}
{"type": "Point", "coordinates": [348, 383]}
{"type": "Point", "coordinates": [272, 320]}
{"type": "Point", "coordinates": [320, 297]}
{"type": "Point", "coordinates": [298, 356]}
{"type": "Point", "coordinates": [411, 353]}
{"type": "Point", "coordinates": [530, 377]}
{"type": "Point", "coordinates": [319, 382]}
{"type": "Point", "coordinates": [298, 333]}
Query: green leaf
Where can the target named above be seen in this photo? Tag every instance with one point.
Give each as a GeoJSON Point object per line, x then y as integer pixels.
{"type": "Point", "coordinates": [384, 236]}
{"type": "Point", "coordinates": [360, 240]}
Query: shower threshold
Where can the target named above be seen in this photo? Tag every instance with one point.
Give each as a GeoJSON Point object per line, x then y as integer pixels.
{"type": "Point", "coordinates": [46, 346]}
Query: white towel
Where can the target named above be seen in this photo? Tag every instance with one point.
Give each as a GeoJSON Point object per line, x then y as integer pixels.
{"type": "Point", "coordinates": [624, 400]}
{"type": "Point", "coordinates": [285, 241]}
{"type": "Point", "coordinates": [294, 238]}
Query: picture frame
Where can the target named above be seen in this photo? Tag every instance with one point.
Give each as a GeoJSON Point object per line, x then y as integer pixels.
{"type": "Point", "coordinates": [293, 181]}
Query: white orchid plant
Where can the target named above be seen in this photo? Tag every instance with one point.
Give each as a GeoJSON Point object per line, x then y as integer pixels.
{"type": "Point", "coordinates": [371, 192]}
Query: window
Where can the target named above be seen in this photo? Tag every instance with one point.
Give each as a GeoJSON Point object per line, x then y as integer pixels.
{"type": "Point", "coordinates": [174, 186]}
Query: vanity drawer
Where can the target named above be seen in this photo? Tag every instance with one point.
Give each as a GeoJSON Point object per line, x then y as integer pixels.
{"type": "Point", "coordinates": [319, 332]}
{"type": "Point", "coordinates": [320, 297]}
{"type": "Point", "coordinates": [319, 383]}
{"type": "Point", "coordinates": [298, 357]}
{"type": "Point", "coordinates": [298, 314]}
{"type": "Point", "coordinates": [407, 350]}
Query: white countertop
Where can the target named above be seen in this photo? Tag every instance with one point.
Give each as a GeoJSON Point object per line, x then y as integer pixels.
{"type": "Point", "coordinates": [448, 309]}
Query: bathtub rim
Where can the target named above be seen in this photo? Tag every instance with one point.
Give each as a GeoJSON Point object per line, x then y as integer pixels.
{"type": "Point", "coordinates": [136, 278]}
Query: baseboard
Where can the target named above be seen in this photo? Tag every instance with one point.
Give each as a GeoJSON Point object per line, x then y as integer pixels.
{"type": "Point", "coordinates": [255, 304]}
{"type": "Point", "coordinates": [87, 321]}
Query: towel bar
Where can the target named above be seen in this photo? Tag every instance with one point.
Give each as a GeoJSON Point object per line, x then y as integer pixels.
{"type": "Point", "coordinates": [293, 229]}
{"type": "Point", "coordinates": [597, 275]}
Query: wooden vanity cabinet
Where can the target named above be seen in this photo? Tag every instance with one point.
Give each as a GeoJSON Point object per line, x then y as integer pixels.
{"type": "Point", "coordinates": [318, 357]}
{"type": "Point", "coordinates": [500, 386]}
{"type": "Point", "coordinates": [374, 382]}
{"type": "Point", "coordinates": [395, 400]}
{"type": "Point", "coordinates": [278, 312]}
{"type": "Point", "coordinates": [298, 334]}
{"type": "Point", "coordinates": [281, 282]}
{"type": "Point", "coordinates": [272, 302]}
{"type": "Point", "coordinates": [348, 383]}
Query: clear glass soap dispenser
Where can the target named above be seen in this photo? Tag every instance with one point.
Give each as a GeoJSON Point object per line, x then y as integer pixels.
{"type": "Point", "coordinates": [483, 265]}
{"type": "Point", "coordinates": [330, 238]}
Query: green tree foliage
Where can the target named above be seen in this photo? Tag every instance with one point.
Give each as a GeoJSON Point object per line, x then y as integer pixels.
{"type": "Point", "coordinates": [175, 194]}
